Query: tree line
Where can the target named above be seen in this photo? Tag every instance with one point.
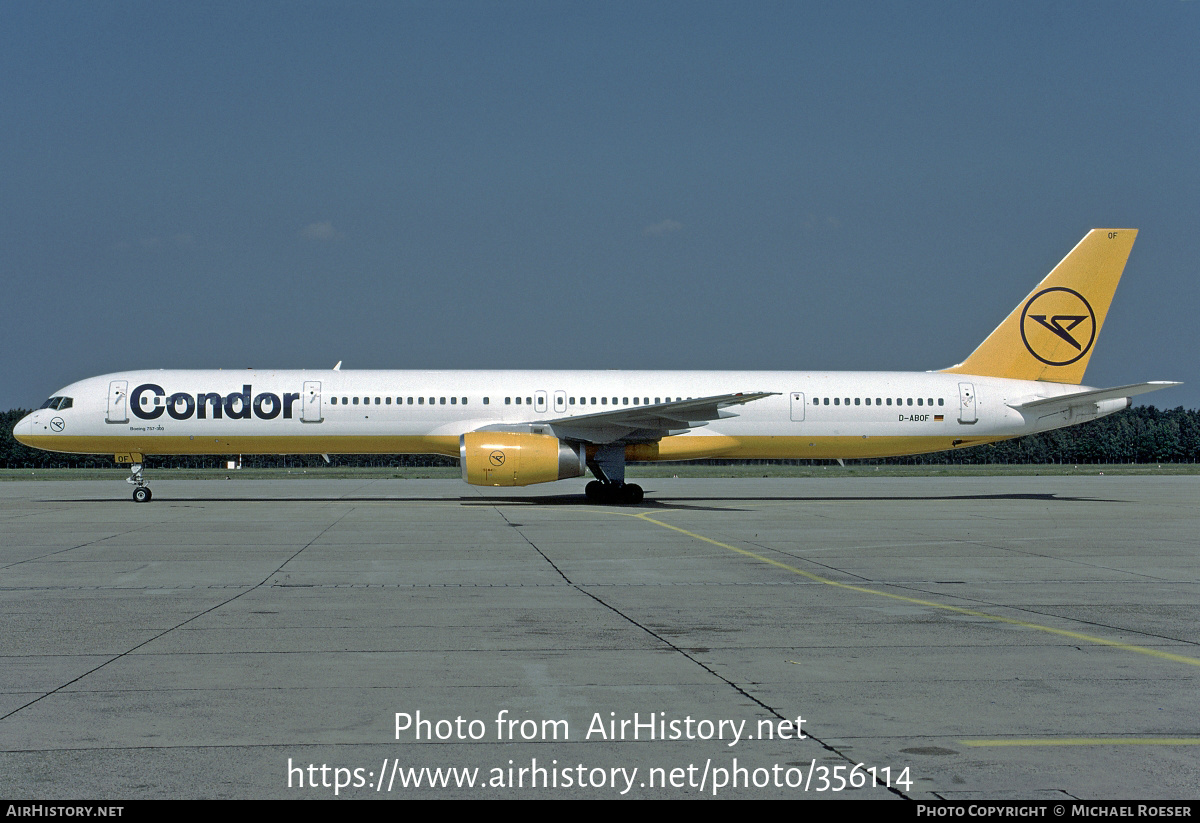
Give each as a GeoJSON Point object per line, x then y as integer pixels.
{"type": "Point", "coordinates": [1144, 434]}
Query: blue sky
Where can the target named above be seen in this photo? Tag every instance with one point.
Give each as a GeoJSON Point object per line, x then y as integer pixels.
{"type": "Point", "coordinates": [585, 185]}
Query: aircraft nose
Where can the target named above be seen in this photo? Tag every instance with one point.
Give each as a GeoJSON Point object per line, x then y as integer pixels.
{"type": "Point", "coordinates": [23, 429]}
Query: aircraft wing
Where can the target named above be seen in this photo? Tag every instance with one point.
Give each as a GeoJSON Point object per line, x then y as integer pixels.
{"type": "Point", "coordinates": [1079, 400]}
{"type": "Point", "coordinates": [641, 424]}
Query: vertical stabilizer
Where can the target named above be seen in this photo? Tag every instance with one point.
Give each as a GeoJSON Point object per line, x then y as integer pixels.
{"type": "Point", "coordinates": [1051, 334]}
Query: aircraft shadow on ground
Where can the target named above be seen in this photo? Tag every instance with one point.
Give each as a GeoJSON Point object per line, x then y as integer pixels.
{"type": "Point", "coordinates": [473, 502]}
{"type": "Point", "coordinates": [649, 504]}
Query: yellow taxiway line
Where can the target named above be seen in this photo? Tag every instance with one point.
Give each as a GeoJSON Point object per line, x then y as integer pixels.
{"type": "Point", "coordinates": [1025, 624]}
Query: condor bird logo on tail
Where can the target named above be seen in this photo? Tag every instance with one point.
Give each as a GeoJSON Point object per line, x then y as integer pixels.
{"type": "Point", "coordinates": [1067, 316]}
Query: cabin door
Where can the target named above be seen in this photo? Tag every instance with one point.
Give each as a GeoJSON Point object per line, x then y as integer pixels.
{"type": "Point", "coordinates": [798, 406]}
{"type": "Point", "coordinates": [118, 402]}
{"type": "Point", "coordinates": [966, 403]}
{"type": "Point", "coordinates": [310, 402]}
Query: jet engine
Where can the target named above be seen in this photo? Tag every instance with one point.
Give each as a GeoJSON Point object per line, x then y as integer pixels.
{"type": "Point", "coordinates": [518, 458]}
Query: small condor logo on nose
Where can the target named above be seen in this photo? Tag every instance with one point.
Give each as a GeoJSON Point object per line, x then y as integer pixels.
{"type": "Point", "coordinates": [1055, 316]}
{"type": "Point", "coordinates": [497, 458]}
{"type": "Point", "coordinates": [58, 424]}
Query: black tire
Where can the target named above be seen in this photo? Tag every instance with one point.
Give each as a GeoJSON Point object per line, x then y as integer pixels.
{"type": "Point", "coordinates": [594, 490]}
{"type": "Point", "coordinates": [141, 494]}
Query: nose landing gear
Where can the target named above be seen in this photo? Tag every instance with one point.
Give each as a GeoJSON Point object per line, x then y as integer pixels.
{"type": "Point", "coordinates": [141, 492]}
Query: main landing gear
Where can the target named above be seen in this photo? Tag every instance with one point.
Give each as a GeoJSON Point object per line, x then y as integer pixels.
{"type": "Point", "coordinates": [141, 492]}
{"type": "Point", "coordinates": [600, 491]}
{"type": "Point", "coordinates": [608, 464]}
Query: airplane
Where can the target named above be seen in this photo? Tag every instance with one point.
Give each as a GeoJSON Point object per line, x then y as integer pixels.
{"type": "Point", "coordinates": [516, 428]}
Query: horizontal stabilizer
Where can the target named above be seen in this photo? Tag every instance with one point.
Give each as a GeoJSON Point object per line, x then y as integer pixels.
{"type": "Point", "coordinates": [1079, 399]}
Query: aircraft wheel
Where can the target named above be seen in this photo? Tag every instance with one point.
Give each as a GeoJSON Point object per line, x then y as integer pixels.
{"type": "Point", "coordinates": [594, 490]}
{"type": "Point", "coordinates": [141, 494]}
{"type": "Point", "coordinates": [633, 493]}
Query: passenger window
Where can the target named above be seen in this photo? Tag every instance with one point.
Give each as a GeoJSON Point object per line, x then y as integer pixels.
{"type": "Point", "coordinates": [333, 400]}
{"type": "Point", "coordinates": [920, 401]}
{"type": "Point", "coordinates": [453, 401]}
{"type": "Point", "coordinates": [910, 401]}
{"type": "Point", "coordinates": [603, 401]}
{"type": "Point", "coordinates": [889, 401]}
{"type": "Point", "coordinates": [826, 401]}
{"type": "Point", "coordinates": [941, 401]}
{"type": "Point", "coordinates": [356, 401]}
{"type": "Point", "coordinates": [420, 401]}
{"type": "Point", "coordinates": [442, 400]}
{"type": "Point", "coordinates": [837, 401]}
{"type": "Point", "coordinates": [487, 401]}
{"type": "Point", "coordinates": [387, 401]}
{"type": "Point", "coordinates": [857, 401]}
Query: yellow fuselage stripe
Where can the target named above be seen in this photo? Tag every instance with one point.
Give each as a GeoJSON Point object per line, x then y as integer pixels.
{"type": "Point", "coordinates": [680, 447]}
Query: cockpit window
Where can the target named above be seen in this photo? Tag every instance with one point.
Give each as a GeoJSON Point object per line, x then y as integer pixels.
{"type": "Point", "coordinates": [65, 404]}
{"type": "Point", "coordinates": [52, 403]}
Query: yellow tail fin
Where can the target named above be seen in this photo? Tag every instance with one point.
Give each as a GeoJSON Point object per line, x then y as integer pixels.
{"type": "Point", "coordinates": [1050, 335]}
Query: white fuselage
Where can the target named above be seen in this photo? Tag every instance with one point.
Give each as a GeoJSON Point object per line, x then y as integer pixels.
{"type": "Point", "coordinates": [811, 414]}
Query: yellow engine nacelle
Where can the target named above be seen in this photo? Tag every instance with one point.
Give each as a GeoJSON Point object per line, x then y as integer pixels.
{"type": "Point", "coordinates": [518, 458]}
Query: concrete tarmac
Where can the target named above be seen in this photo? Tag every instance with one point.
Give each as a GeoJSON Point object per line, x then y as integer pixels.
{"type": "Point", "coordinates": [969, 638]}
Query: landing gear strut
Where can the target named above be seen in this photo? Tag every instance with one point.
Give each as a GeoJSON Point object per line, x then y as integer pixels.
{"type": "Point", "coordinates": [608, 464]}
{"type": "Point", "coordinates": [141, 492]}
